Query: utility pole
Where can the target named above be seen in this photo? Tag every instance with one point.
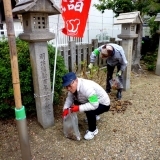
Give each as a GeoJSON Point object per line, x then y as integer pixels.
{"type": "Point", "coordinates": [19, 110]}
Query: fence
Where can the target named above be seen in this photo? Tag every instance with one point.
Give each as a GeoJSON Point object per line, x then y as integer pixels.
{"type": "Point", "coordinates": [75, 50]}
{"type": "Point", "coordinates": [77, 56]}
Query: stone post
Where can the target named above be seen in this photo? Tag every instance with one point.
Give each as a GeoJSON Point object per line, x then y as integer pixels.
{"type": "Point", "coordinates": [127, 45]}
{"type": "Point", "coordinates": [72, 46]}
{"type": "Point", "coordinates": [129, 23]}
{"type": "Point", "coordinates": [157, 19]}
{"type": "Point", "coordinates": [41, 80]}
{"type": "Point", "coordinates": [36, 31]}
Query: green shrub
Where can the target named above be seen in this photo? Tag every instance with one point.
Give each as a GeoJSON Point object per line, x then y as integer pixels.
{"type": "Point", "coordinates": [154, 26]}
{"type": "Point", "coordinates": [150, 60]}
{"type": "Point", "coordinates": [60, 71]}
{"type": "Point", "coordinates": [7, 104]}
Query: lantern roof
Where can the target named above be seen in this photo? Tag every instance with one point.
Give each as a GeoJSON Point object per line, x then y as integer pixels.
{"type": "Point", "coordinates": [157, 19]}
{"type": "Point", "coordinates": [42, 6]}
{"type": "Point", "coordinates": [129, 17]}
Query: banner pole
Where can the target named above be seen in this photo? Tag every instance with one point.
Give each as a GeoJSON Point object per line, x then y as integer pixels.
{"type": "Point", "coordinates": [88, 28]}
{"type": "Point", "coordinates": [55, 60]}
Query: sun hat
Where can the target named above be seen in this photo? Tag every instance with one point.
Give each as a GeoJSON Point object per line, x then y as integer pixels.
{"type": "Point", "coordinates": [68, 78]}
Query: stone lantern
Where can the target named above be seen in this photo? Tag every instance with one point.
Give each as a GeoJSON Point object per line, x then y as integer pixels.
{"type": "Point", "coordinates": [157, 19]}
{"type": "Point", "coordinates": [129, 23]}
{"type": "Point", "coordinates": [35, 15]}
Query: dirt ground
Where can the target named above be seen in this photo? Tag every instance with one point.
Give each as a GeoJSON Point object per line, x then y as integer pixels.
{"type": "Point", "coordinates": [129, 131]}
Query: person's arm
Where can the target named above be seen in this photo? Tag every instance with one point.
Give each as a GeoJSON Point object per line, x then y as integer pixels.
{"type": "Point", "coordinates": [93, 56]}
{"type": "Point", "coordinates": [93, 101]}
{"type": "Point", "coordinates": [95, 53]}
{"type": "Point", "coordinates": [69, 101]}
{"type": "Point", "coordinates": [92, 104]}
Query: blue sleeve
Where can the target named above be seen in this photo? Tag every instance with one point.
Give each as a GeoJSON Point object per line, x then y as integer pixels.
{"type": "Point", "coordinates": [95, 53]}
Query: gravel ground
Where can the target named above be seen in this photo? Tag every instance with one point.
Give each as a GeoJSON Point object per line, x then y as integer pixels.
{"type": "Point", "coordinates": [129, 131]}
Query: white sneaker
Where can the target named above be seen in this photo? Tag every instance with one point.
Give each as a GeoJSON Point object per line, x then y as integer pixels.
{"type": "Point", "coordinates": [97, 118]}
{"type": "Point", "coordinates": [90, 135]}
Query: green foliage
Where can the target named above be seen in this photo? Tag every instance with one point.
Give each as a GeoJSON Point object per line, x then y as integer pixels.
{"type": "Point", "coordinates": [150, 60]}
{"type": "Point", "coordinates": [152, 8]}
{"type": "Point", "coordinates": [155, 37]}
{"type": "Point", "coordinates": [7, 104]}
{"type": "Point", "coordinates": [123, 6]}
{"type": "Point", "coordinates": [148, 7]}
{"type": "Point", "coordinates": [103, 5]}
{"type": "Point", "coordinates": [6, 90]}
{"type": "Point", "coordinates": [60, 71]}
{"type": "Point", "coordinates": [141, 5]}
{"type": "Point", "coordinates": [118, 6]}
{"type": "Point", "coordinates": [153, 25]}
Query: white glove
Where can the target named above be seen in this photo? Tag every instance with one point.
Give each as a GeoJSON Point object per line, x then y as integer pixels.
{"type": "Point", "coordinates": [119, 73]}
{"type": "Point", "coordinates": [90, 66]}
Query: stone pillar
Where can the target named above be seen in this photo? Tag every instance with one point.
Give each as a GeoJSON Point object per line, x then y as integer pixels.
{"type": "Point", "coordinates": [41, 79]}
{"type": "Point", "coordinates": [41, 73]}
{"type": "Point", "coordinates": [127, 45]}
{"type": "Point", "coordinates": [72, 46]}
{"type": "Point", "coordinates": [129, 23]}
{"type": "Point", "coordinates": [35, 20]}
{"type": "Point", "coordinates": [158, 58]}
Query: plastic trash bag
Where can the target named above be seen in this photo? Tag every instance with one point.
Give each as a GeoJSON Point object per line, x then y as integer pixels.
{"type": "Point", "coordinates": [70, 126]}
{"type": "Point", "coordinates": [115, 83]}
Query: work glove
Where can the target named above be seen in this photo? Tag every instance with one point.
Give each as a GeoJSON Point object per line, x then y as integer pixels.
{"type": "Point", "coordinates": [65, 112]}
{"type": "Point", "coordinates": [90, 66]}
{"type": "Point", "coordinates": [119, 73]}
{"type": "Point", "coordinates": [74, 108]}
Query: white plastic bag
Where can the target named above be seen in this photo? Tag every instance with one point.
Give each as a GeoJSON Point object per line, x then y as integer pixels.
{"type": "Point", "coordinates": [70, 126]}
{"type": "Point", "coordinates": [115, 83]}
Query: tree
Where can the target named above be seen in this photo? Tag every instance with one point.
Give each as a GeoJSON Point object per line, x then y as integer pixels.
{"type": "Point", "coordinates": [118, 6]}
{"type": "Point", "coordinates": [148, 7]}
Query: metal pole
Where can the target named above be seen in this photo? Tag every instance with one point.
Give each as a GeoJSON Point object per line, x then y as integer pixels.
{"type": "Point", "coordinates": [112, 24]}
{"type": "Point", "coordinates": [55, 60]}
{"type": "Point", "coordinates": [19, 110]}
{"type": "Point", "coordinates": [102, 27]}
{"type": "Point", "coordinates": [88, 29]}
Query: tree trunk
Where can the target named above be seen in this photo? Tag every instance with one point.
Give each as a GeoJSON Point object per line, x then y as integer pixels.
{"type": "Point", "coordinates": [136, 67]}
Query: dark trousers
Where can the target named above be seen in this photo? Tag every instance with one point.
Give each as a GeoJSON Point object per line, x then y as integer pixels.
{"type": "Point", "coordinates": [91, 116]}
{"type": "Point", "coordinates": [110, 70]}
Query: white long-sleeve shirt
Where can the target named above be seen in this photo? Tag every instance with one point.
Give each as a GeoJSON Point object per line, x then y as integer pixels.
{"type": "Point", "coordinates": [89, 94]}
{"type": "Point", "coordinates": [118, 56]}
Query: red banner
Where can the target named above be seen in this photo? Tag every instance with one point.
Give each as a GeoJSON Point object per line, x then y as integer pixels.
{"type": "Point", "coordinates": [75, 14]}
